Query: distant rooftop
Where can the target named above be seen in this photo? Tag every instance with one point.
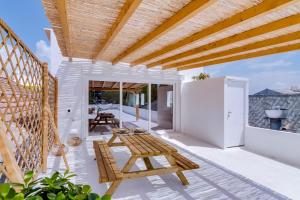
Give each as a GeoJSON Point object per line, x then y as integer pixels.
{"type": "Point", "coordinates": [269, 92]}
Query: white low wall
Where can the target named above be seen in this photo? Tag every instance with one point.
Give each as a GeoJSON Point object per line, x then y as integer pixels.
{"type": "Point", "coordinates": [143, 113]}
{"type": "Point", "coordinates": [279, 145]}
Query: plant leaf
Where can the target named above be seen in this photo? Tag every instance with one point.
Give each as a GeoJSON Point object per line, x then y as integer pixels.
{"type": "Point", "coordinates": [60, 196]}
{"type": "Point", "coordinates": [28, 176]}
{"type": "Point", "coordinates": [34, 198]}
{"type": "Point", "coordinates": [4, 189]}
{"type": "Point", "coordinates": [80, 197]}
{"type": "Point", "coordinates": [51, 196]}
{"type": "Point", "coordinates": [106, 197]}
{"type": "Point", "coordinates": [19, 196]}
{"type": "Point", "coordinates": [93, 196]}
{"type": "Point", "coordinates": [12, 193]}
{"type": "Point", "coordinates": [86, 189]}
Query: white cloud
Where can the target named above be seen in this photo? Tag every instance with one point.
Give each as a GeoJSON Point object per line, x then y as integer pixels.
{"type": "Point", "coordinates": [269, 65]}
{"type": "Point", "coordinates": [215, 70]}
{"type": "Point", "coordinates": [276, 79]}
{"type": "Point", "coordinates": [43, 51]}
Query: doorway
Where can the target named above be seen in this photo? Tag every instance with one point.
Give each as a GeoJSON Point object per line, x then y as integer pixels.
{"type": "Point", "coordinates": [113, 104]}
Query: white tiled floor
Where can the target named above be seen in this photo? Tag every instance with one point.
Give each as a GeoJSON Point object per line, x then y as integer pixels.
{"type": "Point", "coordinates": [275, 175]}
{"type": "Point", "coordinates": [278, 177]}
{"type": "Point", "coordinates": [127, 119]}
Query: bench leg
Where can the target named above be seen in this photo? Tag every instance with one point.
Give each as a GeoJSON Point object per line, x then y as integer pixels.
{"type": "Point", "coordinates": [182, 178]}
{"type": "Point", "coordinates": [148, 163]}
{"type": "Point", "coordinates": [179, 173]}
{"type": "Point", "coordinates": [129, 164]}
{"type": "Point", "coordinates": [112, 188]}
{"type": "Point", "coordinates": [111, 140]}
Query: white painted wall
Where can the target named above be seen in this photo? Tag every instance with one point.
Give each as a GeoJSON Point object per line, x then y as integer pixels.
{"type": "Point", "coordinates": [279, 145]}
{"type": "Point", "coordinates": [202, 114]}
{"type": "Point", "coordinates": [143, 113]}
{"type": "Point", "coordinates": [209, 110]}
{"type": "Point", "coordinates": [73, 80]}
{"type": "Point", "coordinates": [55, 53]}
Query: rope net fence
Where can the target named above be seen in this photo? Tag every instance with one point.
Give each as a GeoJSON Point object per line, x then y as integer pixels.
{"type": "Point", "coordinates": [21, 106]}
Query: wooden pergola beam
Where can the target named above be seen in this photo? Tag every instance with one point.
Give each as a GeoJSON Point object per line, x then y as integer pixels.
{"type": "Point", "coordinates": [267, 28]}
{"type": "Point", "coordinates": [270, 51]}
{"type": "Point", "coordinates": [181, 16]}
{"type": "Point", "coordinates": [115, 84]}
{"type": "Point", "coordinates": [248, 47]}
{"type": "Point", "coordinates": [113, 89]}
{"type": "Point", "coordinates": [126, 12]}
{"type": "Point", "coordinates": [130, 85]}
{"type": "Point", "coordinates": [235, 20]}
{"type": "Point", "coordinates": [62, 10]}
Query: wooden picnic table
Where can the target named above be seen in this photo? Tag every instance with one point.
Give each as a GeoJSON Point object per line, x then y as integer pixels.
{"type": "Point", "coordinates": [142, 146]}
{"type": "Point", "coordinates": [103, 119]}
{"type": "Point", "coordinates": [116, 132]}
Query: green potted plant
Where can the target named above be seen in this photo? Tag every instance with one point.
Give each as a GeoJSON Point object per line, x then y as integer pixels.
{"type": "Point", "coordinates": [201, 76]}
{"type": "Point", "coordinates": [56, 187]}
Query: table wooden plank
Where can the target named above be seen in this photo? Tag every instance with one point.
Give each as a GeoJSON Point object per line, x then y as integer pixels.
{"type": "Point", "coordinates": [112, 163]}
{"type": "Point", "coordinates": [160, 148]}
{"type": "Point", "coordinates": [154, 150]}
{"type": "Point", "coordinates": [159, 144]}
{"type": "Point", "coordinates": [132, 148]}
{"type": "Point", "coordinates": [136, 144]}
{"type": "Point", "coordinates": [100, 163]}
{"type": "Point", "coordinates": [185, 162]}
{"type": "Point", "coordinates": [110, 174]}
{"type": "Point", "coordinates": [144, 145]}
{"type": "Point", "coordinates": [165, 144]}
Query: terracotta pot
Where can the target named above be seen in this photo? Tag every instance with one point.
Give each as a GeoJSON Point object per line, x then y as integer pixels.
{"type": "Point", "coordinates": [74, 141]}
{"type": "Point", "coordinates": [58, 150]}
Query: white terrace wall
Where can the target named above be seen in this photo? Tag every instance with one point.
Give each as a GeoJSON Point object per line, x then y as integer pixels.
{"type": "Point", "coordinates": [278, 145]}
{"type": "Point", "coordinates": [203, 110]}
{"type": "Point", "coordinates": [73, 80]}
{"type": "Point", "coordinates": [143, 113]}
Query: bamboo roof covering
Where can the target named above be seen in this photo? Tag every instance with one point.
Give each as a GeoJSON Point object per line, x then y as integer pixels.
{"type": "Point", "coordinates": [115, 86]}
{"type": "Point", "coordinates": [180, 34]}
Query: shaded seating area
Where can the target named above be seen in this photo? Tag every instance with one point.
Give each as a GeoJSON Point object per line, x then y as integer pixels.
{"type": "Point", "coordinates": [103, 119]}
{"type": "Point", "coordinates": [142, 146]}
{"type": "Point", "coordinates": [128, 47]}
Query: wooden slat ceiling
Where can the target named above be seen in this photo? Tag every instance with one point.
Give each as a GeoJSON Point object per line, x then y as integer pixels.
{"type": "Point", "coordinates": [115, 86]}
{"type": "Point", "coordinates": [180, 34]}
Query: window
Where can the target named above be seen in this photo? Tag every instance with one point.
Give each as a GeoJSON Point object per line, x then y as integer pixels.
{"type": "Point", "coordinates": [169, 99]}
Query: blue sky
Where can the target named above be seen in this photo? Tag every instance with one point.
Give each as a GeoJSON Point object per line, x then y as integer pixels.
{"type": "Point", "coordinates": [28, 20]}
{"type": "Point", "coordinates": [281, 71]}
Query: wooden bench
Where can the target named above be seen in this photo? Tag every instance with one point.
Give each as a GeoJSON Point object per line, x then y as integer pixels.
{"type": "Point", "coordinates": [107, 167]}
{"type": "Point", "coordinates": [184, 162]}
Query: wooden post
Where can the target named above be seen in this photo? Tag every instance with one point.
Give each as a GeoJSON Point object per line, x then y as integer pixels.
{"type": "Point", "coordinates": [137, 108]}
{"type": "Point", "coordinates": [45, 116]}
{"type": "Point", "coordinates": [12, 170]}
{"type": "Point", "coordinates": [56, 103]}
{"type": "Point", "coordinates": [137, 112]}
{"type": "Point", "coordinates": [57, 138]}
